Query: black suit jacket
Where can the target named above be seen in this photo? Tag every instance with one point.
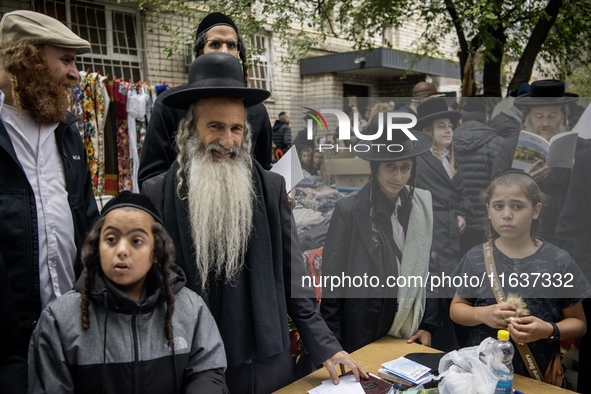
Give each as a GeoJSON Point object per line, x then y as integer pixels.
{"type": "Point", "coordinates": [350, 249]}
{"type": "Point", "coordinates": [302, 306]}
{"type": "Point", "coordinates": [449, 201]}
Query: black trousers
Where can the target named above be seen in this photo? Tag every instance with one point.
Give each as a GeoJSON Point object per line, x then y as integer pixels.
{"type": "Point", "coordinates": [261, 376]}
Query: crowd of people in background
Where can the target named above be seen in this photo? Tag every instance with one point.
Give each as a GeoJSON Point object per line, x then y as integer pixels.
{"type": "Point", "coordinates": [191, 284]}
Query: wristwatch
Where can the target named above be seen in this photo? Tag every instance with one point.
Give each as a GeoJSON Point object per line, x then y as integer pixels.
{"type": "Point", "coordinates": [555, 337]}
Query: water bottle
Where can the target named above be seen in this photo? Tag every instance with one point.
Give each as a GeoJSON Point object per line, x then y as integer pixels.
{"type": "Point", "coordinates": [505, 375]}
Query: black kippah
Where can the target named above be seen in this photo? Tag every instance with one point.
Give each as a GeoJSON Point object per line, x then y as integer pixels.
{"type": "Point", "coordinates": [511, 171]}
{"type": "Point", "coordinates": [134, 200]}
{"type": "Point", "coordinates": [215, 19]}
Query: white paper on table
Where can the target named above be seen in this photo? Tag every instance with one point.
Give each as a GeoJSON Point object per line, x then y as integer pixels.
{"type": "Point", "coordinates": [289, 167]}
{"type": "Point", "coordinates": [347, 385]}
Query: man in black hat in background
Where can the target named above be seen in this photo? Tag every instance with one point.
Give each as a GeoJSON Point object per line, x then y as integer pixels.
{"type": "Point", "coordinates": [46, 199]}
{"type": "Point", "coordinates": [545, 114]}
{"type": "Point", "coordinates": [216, 33]}
{"type": "Point", "coordinates": [234, 232]}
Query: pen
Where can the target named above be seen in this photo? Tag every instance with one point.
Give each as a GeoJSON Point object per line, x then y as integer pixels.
{"type": "Point", "coordinates": [517, 391]}
{"type": "Point", "coordinates": [401, 388]}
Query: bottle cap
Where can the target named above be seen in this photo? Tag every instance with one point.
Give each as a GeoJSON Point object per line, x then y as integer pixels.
{"type": "Point", "coordinates": [503, 335]}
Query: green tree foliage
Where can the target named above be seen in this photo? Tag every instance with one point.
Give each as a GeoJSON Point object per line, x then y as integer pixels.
{"type": "Point", "coordinates": [522, 31]}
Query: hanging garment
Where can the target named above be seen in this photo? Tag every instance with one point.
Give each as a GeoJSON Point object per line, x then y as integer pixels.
{"type": "Point", "coordinates": [88, 104]}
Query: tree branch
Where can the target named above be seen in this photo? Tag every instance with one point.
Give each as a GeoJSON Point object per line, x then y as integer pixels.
{"type": "Point", "coordinates": [464, 49]}
{"type": "Point", "coordinates": [534, 45]}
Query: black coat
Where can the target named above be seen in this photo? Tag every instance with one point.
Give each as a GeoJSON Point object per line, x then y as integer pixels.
{"type": "Point", "coordinates": [13, 364]}
{"type": "Point", "coordinates": [350, 248]}
{"type": "Point", "coordinates": [475, 148]}
{"type": "Point", "coordinates": [281, 135]}
{"type": "Point", "coordinates": [506, 126]}
{"type": "Point", "coordinates": [19, 244]}
{"type": "Point", "coordinates": [574, 224]}
{"type": "Point", "coordinates": [555, 185]}
{"type": "Point", "coordinates": [159, 149]}
{"type": "Point", "coordinates": [252, 313]}
{"type": "Point", "coordinates": [449, 201]}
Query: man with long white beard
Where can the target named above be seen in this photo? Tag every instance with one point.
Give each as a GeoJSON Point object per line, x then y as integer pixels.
{"type": "Point", "coordinates": [46, 199]}
{"type": "Point", "coordinates": [545, 114]}
{"type": "Point", "coordinates": [232, 227]}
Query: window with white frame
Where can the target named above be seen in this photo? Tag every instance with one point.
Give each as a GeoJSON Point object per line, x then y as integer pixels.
{"type": "Point", "coordinates": [113, 31]}
{"type": "Point", "coordinates": [261, 75]}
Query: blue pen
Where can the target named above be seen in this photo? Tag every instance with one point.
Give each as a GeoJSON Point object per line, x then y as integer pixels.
{"type": "Point", "coordinates": [400, 388]}
{"type": "Point", "coordinates": [517, 391]}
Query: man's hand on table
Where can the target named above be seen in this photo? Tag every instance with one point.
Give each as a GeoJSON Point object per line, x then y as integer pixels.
{"type": "Point", "coordinates": [343, 358]}
{"type": "Point", "coordinates": [422, 336]}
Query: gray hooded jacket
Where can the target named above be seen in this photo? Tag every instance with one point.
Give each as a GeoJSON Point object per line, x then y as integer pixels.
{"type": "Point", "coordinates": [125, 348]}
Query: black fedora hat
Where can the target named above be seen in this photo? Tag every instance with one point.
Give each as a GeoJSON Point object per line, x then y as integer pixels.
{"type": "Point", "coordinates": [377, 150]}
{"type": "Point", "coordinates": [215, 74]}
{"type": "Point", "coordinates": [432, 109]}
{"type": "Point", "coordinates": [545, 93]}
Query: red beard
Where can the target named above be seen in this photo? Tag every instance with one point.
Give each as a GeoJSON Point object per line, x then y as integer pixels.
{"type": "Point", "coordinates": [36, 91]}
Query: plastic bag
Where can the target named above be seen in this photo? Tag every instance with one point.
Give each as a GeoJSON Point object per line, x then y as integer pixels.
{"type": "Point", "coordinates": [470, 370]}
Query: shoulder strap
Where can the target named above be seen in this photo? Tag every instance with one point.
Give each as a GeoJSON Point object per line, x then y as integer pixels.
{"type": "Point", "coordinates": [523, 348]}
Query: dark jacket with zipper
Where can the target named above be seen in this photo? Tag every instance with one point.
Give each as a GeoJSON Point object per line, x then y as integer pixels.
{"type": "Point", "coordinates": [475, 148]}
{"type": "Point", "coordinates": [125, 348]}
{"type": "Point", "coordinates": [281, 135]}
{"type": "Point", "coordinates": [19, 243]}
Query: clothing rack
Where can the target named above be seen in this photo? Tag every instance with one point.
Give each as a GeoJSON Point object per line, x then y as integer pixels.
{"type": "Point", "coordinates": [113, 120]}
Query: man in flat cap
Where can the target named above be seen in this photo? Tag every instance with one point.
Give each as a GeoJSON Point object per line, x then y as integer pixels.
{"type": "Point", "coordinates": [234, 232]}
{"type": "Point", "coordinates": [46, 198]}
{"type": "Point", "coordinates": [216, 33]}
{"type": "Point", "coordinates": [545, 113]}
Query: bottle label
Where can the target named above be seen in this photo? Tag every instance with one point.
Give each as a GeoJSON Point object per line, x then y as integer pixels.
{"type": "Point", "coordinates": [505, 384]}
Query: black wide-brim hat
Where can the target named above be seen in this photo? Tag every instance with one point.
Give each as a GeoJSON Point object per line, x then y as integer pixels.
{"type": "Point", "coordinates": [433, 109]}
{"type": "Point", "coordinates": [546, 93]}
{"type": "Point", "coordinates": [215, 74]}
{"type": "Point", "coordinates": [377, 150]}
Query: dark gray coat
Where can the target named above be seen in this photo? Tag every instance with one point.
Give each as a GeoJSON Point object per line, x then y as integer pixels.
{"type": "Point", "coordinates": [475, 148]}
{"type": "Point", "coordinates": [124, 350]}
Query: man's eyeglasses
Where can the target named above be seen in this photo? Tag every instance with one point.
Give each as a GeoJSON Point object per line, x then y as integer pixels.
{"type": "Point", "coordinates": [216, 45]}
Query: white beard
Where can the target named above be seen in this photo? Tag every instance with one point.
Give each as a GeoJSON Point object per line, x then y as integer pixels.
{"type": "Point", "coordinates": [220, 196]}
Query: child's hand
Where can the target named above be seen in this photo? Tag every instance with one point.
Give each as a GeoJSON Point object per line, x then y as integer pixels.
{"type": "Point", "coordinates": [494, 315]}
{"type": "Point", "coordinates": [529, 329]}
